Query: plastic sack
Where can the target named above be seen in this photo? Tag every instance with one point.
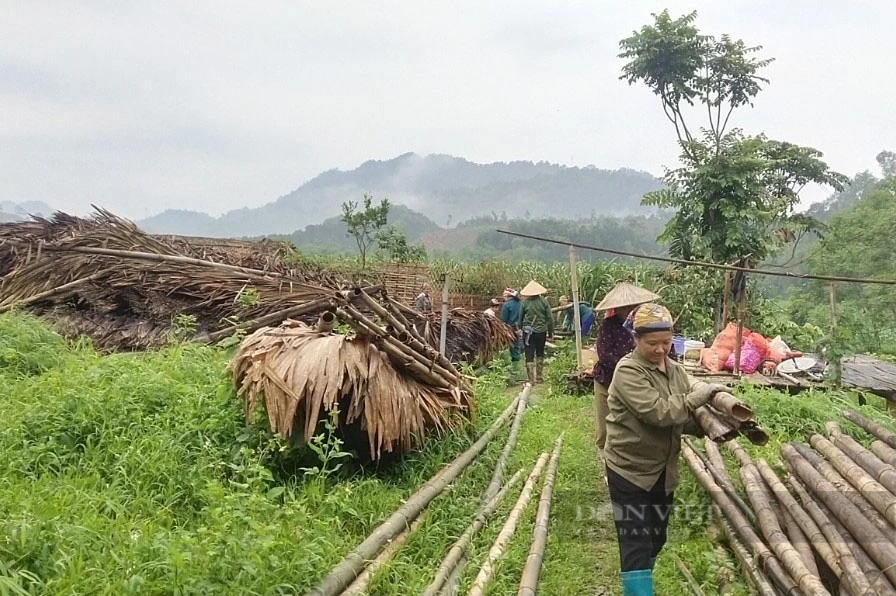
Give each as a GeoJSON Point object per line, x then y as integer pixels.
{"type": "Point", "coordinates": [750, 358]}
{"type": "Point", "coordinates": [778, 350]}
{"type": "Point", "coordinates": [727, 337]}
{"type": "Point", "coordinates": [714, 358]}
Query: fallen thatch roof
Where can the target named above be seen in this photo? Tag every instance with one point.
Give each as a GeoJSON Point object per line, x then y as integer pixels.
{"type": "Point", "coordinates": [470, 336]}
{"type": "Point", "coordinates": [301, 374]}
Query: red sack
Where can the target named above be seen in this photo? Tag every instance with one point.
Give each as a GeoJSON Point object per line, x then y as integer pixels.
{"type": "Point", "coordinates": [713, 359]}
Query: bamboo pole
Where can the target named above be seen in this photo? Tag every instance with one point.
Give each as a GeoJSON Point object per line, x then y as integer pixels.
{"type": "Point", "coordinates": [767, 560]}
{"type": "Point", "coordinates": [444, 322]}
{"type": "Point", "coordinates": [819, 532]}
{"type": "Point", "coordinates": [403, 325]}
{"type": "Point", "coordinates": [532, 569]}
{"type": "Point", "coordinates": [755, 575]}
{"type": "Point", "coordinates": [459, 548]}
{"type": "Point", "coordinates": [833, 296]}
{"type": "Point", "coordinates": [876, 545]}
{"type": "Point", "coordinates": [614, 251]}
{"type": "Point", "coordinates": [495, 483]}
{"type": "Point", "coordinates": [833, 542]}
{"type": "Point", "coordinates": [871, 489]}
{"type": "Point", "coordinates": [692, 582]}
{"type": "Point", "coordinates": [768, 524]}
{"type": "Point", "coordinates": [509, 528]}
{"type": "Point", "coordinates": [869, 568]}
{"type": "Point", "coordinates": [351, 566]}
{"type": "Point", "coordinates": [726, 295]}
{"type": "Point", "coordinates": [883, 472]}
{"type": "Point", "coordinates": [9, 305]}
{"type": "Point", "coordinates": [872, 428]}
{"type": "Point", "coordinates": [800, 541]}
{"type": "Point", "coordinates": [846, 489]}
{"type": "Point", "coordinates": [731, 406]}
{"type": "Point", "coordinates": [577, 319]}
{"type": "Point", "coordinates": [326, 322]}
{"type": "Point", "coordinates": [715, 427]}
{"type": "Point", "coordinates": [716, 466]}
{"type": "Point", "coordinates": [273, 318]}
{"type": "Point", "coordinates": [362, 582]}
{"type": "Point", "coordinates": [884, 452]}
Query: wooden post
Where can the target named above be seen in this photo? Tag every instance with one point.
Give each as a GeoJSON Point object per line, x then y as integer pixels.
{"type": "Point", "coordinates": [725, 295]}
{"type": "Point", "coordinates": [443, 331]}
{"type": "Point", "coordinates": [741, 311]}
{"type": "Point", "coordinates": [833, 296]}
{"type": "Point", "coordinates": [577, 318]}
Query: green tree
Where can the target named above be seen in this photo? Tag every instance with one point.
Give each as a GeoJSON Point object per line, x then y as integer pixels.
{"type": "Point", "coordinates": [395, 243]}
{"type": "Point", "coordinates": [363, 223]}
{"type": "Point", "coordinates": [887, 162]}
{"type": "Point", "coordinates": [734, 194]}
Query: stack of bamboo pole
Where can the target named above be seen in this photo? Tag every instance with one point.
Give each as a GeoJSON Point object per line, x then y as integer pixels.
{"type": "Point", "coordinates": [824, 523]}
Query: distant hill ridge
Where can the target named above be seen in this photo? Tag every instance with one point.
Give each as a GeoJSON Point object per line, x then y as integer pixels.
{"type": "Point", "coordinates": [445, 189]}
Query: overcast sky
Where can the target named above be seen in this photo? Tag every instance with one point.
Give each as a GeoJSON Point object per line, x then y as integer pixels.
{"type": "Point", "coordinates": [143, 106]}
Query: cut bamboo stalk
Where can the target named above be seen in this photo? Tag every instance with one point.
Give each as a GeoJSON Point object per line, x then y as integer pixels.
{"type": "Point", "coordinates": [459, 548]}
{"type": "Point", "coordinates": [416, 343]}
{"type": "Point", "coordinates": [351, 566]}
{"type": "Point", "coordinates": [689, 578]}
{"type": "Point", "coordinates": [744, 557]}
{"type": "Point", "coordinates": [273, 318]}
{"type": "Point", "coordinates": [822, 536]}
{"type": "Point", "coordinates": [716, 466]}
{"type": "Point", "coordinates": [768, 524]}
{"type": "Point", "coordinates": [847, 490]}
{"type": "Point", "coordinates": [767, 560]}
{"type": "Point", "coordinates": [800, 541]}
{"type": "Point", "coordinates": [532, 569]}
{"type": "Point", "coordinates": [860, 574]}
{"type": "Point", "coordinates": [878, 547]}
{"type": "Point", "coordinates": [886, 453]}
{"type": "Point", "coordinates": [53, 292]}
{"type": "Point", "coordinates": [362, 582]}
{"type": "Point", "coordinates": [507, 532]}
{"type": "Point", "coordinates": [884, 473]}
{"type": "Point", "coordinates": [872, 428]}
{"type": "Point", "coordinates": [883, 500]}
{"type": "Point", "coordinates": [715, 428]}
{"type": "Point", "coordinates": [730, 405]}
{"type": "Point", "coordinates": [495, 483]}
{"type": "Point", "coordinates": [326, 322]}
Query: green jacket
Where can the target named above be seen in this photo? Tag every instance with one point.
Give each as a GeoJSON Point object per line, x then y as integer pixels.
{"type": "Point", "coordinates": [649, 411]}
{"type": "Point", "coordinates": [536, 312]}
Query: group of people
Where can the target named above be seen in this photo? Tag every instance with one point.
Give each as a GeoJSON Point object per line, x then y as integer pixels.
{"type": "Point", "coordinates": [644, 401]}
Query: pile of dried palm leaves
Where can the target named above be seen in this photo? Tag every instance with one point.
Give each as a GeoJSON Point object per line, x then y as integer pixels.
{"type": "Point", "coordinates": [473, 337]}
{"type": "Point", "coordinates": [302, 373]}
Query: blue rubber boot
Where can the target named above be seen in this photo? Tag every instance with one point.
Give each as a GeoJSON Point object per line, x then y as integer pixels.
{"type": "Point", "coordinates": [637, 583]}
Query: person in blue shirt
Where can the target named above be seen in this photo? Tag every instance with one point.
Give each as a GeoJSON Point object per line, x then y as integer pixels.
{"type": "Point", "coordinates": [510, 314]}
{"type": "Point", "coordinates": [586, 316]}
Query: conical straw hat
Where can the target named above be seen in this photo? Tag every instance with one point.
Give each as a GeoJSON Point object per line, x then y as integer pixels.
{"type": "Point", "coordinates": [626, 294]}
{"type": "Point", "coordinates": [533, 288]}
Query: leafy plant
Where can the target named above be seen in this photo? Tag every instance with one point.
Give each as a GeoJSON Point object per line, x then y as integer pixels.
{"type": "Point", "coordinates": [328, 447]}
{"type": "Point", "coordinates": [183, 326]}
{"type": "Point", "coordinates": [364, 222]}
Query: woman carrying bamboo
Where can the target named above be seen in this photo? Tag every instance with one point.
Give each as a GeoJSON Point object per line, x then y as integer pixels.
{"type": "Point", "coordinates": [651, 404]}
{"type": "Point", "coordinates": [537, 323]}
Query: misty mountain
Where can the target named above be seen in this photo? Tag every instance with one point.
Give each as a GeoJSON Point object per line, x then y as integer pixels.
{"type": "Point", "coordinates": [447, 189]}
{"type": "Point", "coordinates": [331, 236]}
{"type": "Point", "coordinates": [10, 211]}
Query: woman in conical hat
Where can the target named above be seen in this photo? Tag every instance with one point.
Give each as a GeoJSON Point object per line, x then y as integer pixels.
{"type": "Point", "coordinates": [537, 323]}
{"type": "Point", "coordinates": [613, 342]}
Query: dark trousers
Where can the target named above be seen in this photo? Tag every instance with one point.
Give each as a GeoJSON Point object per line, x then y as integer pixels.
{"type": "Point", "coordinates": [641, 519]}
{"type": "Point", "coordinates": [535, 345]}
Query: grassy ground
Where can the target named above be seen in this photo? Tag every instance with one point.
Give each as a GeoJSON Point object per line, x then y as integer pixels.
{"type": "Point", "coordinates": [135, 474]}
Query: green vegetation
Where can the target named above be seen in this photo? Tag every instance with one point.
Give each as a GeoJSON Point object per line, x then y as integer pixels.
{"type": "Point", "coordinates": [364, 222]}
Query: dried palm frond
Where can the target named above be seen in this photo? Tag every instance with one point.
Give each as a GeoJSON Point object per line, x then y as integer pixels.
{"type": "Point", "coordinates": [300, 375]}
{"type": "Point", "coordinates": [470, 336]}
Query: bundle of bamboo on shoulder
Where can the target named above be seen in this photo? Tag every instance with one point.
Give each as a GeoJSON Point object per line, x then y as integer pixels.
{"type": "Point", "coordinates": [726, 417]}
{"type": "Point", "coordinates": [826, 524]}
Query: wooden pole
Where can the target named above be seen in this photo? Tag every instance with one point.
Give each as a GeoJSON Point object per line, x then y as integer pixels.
{"type": "Point", "coordinates": [444, 328]}
{"type": "Point", "coordinates": [833, 296]}
{"type": "Point", "coordinates": [741, 311]}
{"type": "Point", "coordinates": [577, 318]}
{"type": "Point", "coordinates": [726, 295]}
